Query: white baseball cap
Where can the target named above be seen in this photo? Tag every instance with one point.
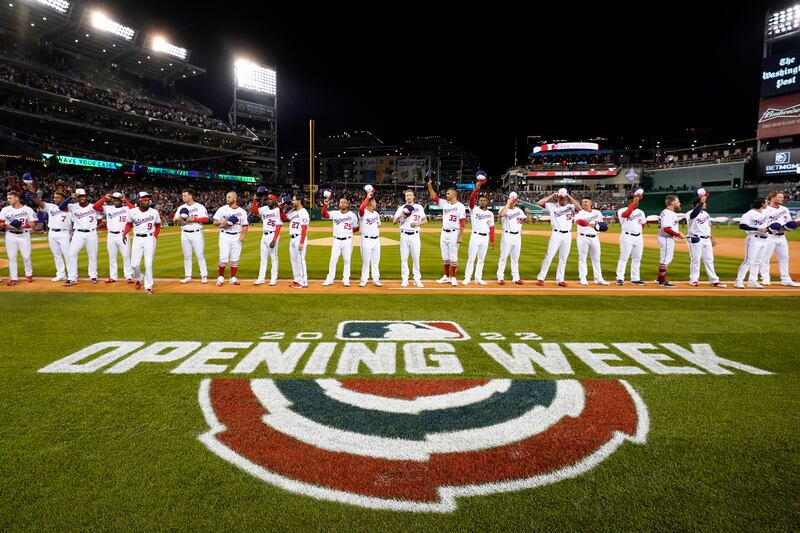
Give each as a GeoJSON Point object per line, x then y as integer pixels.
{"type": "Point", "coordinates": [701, 192]}
{"type": "Point", "coordinates": [326, 194]}
{"type": "Point", "coordinates": [117, 195]}
{"type": "Point", "coordinates": [638, 192]}
{"type": "Point", "coordinates": [512, 195]}
{"type": "Point", "coordinates": [80, 192]}
{"type": "Point", "coordinates": [143, 194]}
{"type": "Point", "coordinates": [369, 188]}
{"type": "Point", "coordinates": [562, 191]}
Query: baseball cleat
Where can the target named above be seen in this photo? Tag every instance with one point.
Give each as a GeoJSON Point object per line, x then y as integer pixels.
{"type": "Point", "coordinates": [187, 279]}
{"type": "Point", "coordinates": [454, 282]}
{"type": "Point", "coordinates": [501, 282]}
{"type": "Point", "coordinates": [418, 284]}
{"type": "Point", "coordinates": [273, 282]}
{"type": "Point", "coordinates": [235, 281]}
{"type": "Point", "coordinates": [327, 283]}
{"type": "Point", "coordinates": [295, 285]}
{"type": "Point", "coordinates": [443, 280]}
{"type": "Point", "coordinates": [720, 285]}
{"type": "Point", "coordinates": [129, 280]}
{"type": "Point", "coordinates": [561, 284]}
{"type": "Point", "coordinates": [148, 291]}
{"type": "Point", "coordinates": [601, 282]}
{"type": "Point", "coordinates": [346, 283]}
{"type": "Point", "coordinates": [29, 279]}
{"type": "Point", "coordinates": [93, 280]}
{"type": "Point", "coordinates": [204, 279]}
{"type": "Point", "coordinates": [480, 282]}
{"type": "Point", "coordinates": [518, 282]}
{"type": "Point", "coordinates": [110, 280]}
{"type": "Point", "coordinates": [259, 282]}
{"type": "Point", "coordinates": [584, 282]}
{"type": "Point", "coordinates": [12, 282]}
{"type": "Point", "coordinates": [694, 284]}
{"type": "Point", "coordinates": [638, 282]}
{"type": "Point", "coordinates": [137, 285]}
{"type": "Point", "coordinates": [404, 283]}
{"type": "Point", "coordinates": [739, 285]}
{"type": "Point", "coordinates": [70, 283]}
{"type": "Point", "coordinates": [377, 284]}
{"type": "Point", "coordinates": [304, 286]}
{"type": "Point", "coordinates": [220, 281]}
{"type": "Point", "coordinates": [362, 284]}
{"type": "Point", "coordinates": [790, 284]}
{"type": "Point", "coordinates": [465, 282]}
{"type": "Point", "coordinates": [540, 282]}
{"type": "Point", "coordinates": [766, 283]}
{"type": "Point", "coordinates": [58, 279]}
{"type": "Point", "coordinates": [666, 283]}
{"type": "Point", "coordinates": [620, 282]}
{"type": "Point", "coordinates": [755, 285]}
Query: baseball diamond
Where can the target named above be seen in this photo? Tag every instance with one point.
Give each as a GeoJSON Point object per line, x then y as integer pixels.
{"type": "Point", "coordinates": [373, 317]}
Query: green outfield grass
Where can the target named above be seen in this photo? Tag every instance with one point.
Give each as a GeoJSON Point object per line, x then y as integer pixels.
{"type": "Point", "coordinates": [120, 452]}
{"type": "Point", "coordinates": [169, 258]}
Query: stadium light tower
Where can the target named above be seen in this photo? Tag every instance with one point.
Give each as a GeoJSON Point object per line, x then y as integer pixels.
{"type": "Point", "coordinates": [103, 23]}
{"type": "Point", "coordinates": [62, 6]}
{"type": "Point", "coordinates": [255, 103]}
{"type": "Point", "coordinates": [159, 44]}
{"type": "Point", "coordinates": [255, 78]}
{"type": "Point", "coordinates": [782, 23]}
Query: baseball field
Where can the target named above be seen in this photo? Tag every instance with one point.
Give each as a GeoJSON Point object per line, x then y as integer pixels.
{"type": "Point", "coordinates": [205, 408]}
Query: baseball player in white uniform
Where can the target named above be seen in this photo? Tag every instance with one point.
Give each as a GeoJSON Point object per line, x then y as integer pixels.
{"type": "Point", "coordinates": [482, 236]}
{"type": "Point", "coordinates": [701, 242]}
{"type": "Point", "coordinates": [191, 216]}
{"type": "Point", "coordinates": [370, 227]}
{"type": "Point", "coordinates": [18, 221]}
{"type": "Point", "coordinates": [562, 213]}
{"type": "Point", "coordinates": [668, 231]}
{"type": "Point", "coordinates": [84, 234]}
{"type": "Point", "coordinates": [777, 216]}
{"type": "Point", "coordinates": [116, 218]}
{"type": "Point", "coordinates": [631, 243]}
{"type": "Point", "coordinates": [232, 222]}
{"type": "Point", "coordinates": [298, 220]}
{"type": "Point", "coordinates": [590, 222]}
{"type": "Point", "coordinates": [411, 217]}
{"type": "Point", "coordinates": [145, 223]}
{"type": "Point", "coordinates": [756, 223]}
{"type": "Point", "coordinates": [512, 217]}
{"type": "Point", "coordinates": [270, 215]}
{"type": "Point", "coordinates": [345, 222]}
{"type": "Point", "coordinates": [454, 219]}
{"type": "Point", "coordinates": [59, 226]}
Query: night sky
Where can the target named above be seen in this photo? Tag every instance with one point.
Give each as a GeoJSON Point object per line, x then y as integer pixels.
{"type": "Point", "coordinates": [483, 76]}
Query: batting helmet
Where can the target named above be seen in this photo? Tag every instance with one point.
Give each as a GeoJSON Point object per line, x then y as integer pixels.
{"type": "Point", "coordinates": [791, 225]}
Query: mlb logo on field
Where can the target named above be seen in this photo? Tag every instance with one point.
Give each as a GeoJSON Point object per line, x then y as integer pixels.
{"type": "Point", "coordinates": [400, 330]}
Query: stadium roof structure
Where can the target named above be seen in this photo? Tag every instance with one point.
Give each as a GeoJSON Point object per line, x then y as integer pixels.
{"type": "Point", "coordinates": [569, 152]}
{"type": "Point", "coordinates": [94, 34]}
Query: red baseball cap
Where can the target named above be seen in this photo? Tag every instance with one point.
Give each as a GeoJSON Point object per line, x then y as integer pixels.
{"type": "Point", "coordinates": [272, 197]}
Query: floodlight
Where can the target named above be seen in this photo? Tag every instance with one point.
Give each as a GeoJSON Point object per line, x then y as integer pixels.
{"type": "Point", "coordinates": [160, 44]}
{"type": "Point", "coordinates": [102, 22]}
{"type": "Point", "coordinates": [253, 77]}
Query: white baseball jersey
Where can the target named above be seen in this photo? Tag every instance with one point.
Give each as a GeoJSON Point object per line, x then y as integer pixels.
{"type": "Point", "coordinates": [371, 224]}
{"type": "Point", "coordinates": [513, 219]}
{"type": "Point", "coordinates": [591, 217]}
{"type": "Point", "coordinates": [343, 223]}
{"type": "Point", "coordinates": [755, 219]}
{"type": "Point", "coordinates": [83, 217]}
{"type": "Point", "coordinates": [270, 217]}
{"type": "Point", "coordinates": [779, 214]}
{"type": "Point", "coordinates": [561, 216]}
{"type": "Point", "coordinates": [481, 220]}
{"type": "Point", "coordinates": [297, 219]}
{"type": "Point", "coordinates": [416, 217]}
{"type": "Point", "coordinates": [226, 211]}
{"type": "Point", "coordinates": [452, 214]}
{"type": "Point", "coordinates": [667, 219]}
{"type": "Point", "coordinates": [116, 217]}
{"type": "Point", "coordinates": [195, 210]}
{"type": "Point", "coordinates": [56, 218]}
{"type": "Point", "coordinates": [700, 225]}
{"type": "Point", "coordinates": [24, 214]}
{"type": "Point", "coordinates": [632, 223]}
{"type": "Point", "coordinates": [144, 222]}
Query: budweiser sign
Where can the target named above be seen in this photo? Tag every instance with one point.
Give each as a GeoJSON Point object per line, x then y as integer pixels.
{"type": "Point", "coordinates": [779, 116]}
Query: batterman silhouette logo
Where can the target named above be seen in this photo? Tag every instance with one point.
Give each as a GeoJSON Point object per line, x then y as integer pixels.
{"type": "Point", "coordinates": [417, 445]}
{"type": "Point", "coordinates": [400, 330]}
